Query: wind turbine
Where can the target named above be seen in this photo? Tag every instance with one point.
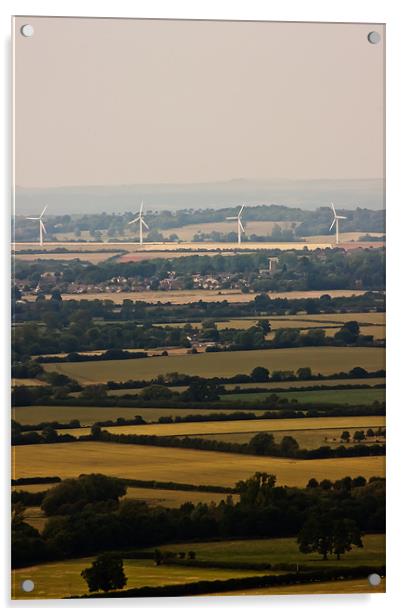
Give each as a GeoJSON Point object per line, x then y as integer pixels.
{"type": "Point", "coordinates": [335, 222]}
{"type": "Point", "coordinates": [240, 227]}
{"type": "Point", "coordinates": [42, 228]}
{"type": "Point", "coordinates": [140, 219]}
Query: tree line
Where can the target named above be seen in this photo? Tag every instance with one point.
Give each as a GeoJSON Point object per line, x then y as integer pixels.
{"type": "Point", "coordinates": [88, 516]}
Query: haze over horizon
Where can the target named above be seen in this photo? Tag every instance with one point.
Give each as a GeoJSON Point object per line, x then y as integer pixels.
{"type": "Point", "coordinates": [123, 102]}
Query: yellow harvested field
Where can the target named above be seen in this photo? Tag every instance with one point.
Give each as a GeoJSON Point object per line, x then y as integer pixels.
{"type": "Point", "coordinates": [373, 318]}
{"type": "Point", "coordinates": [175, 498]}
{"type": "Point", "coordinates": [326, 360]}
{"type": "Point", "coordinates": [318, 588]}
{"type": "Point", "coordinates": [33, 487]}
{"type": "Point", "coordinates": [256, 227]}
{"type": "Point", "coordinates": [171, 247]}
{"type": "Point", "coordinates": [347, 236]}
{"type": "Point", "coordinates": [153, 496]}
{"type": "Point", "coordinates": [246, 425]}
{"type": "Point", "coordinates": [186, 297]}
{"type": "Point", "coordinates": [26, 382]}
{"type": "Point", "coordinates": [180, 465]}
{"type": "Point", "coordinates": [92, 256]}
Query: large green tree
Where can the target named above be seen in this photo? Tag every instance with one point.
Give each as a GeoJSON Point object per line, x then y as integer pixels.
{"type": "Point", "coordinates": [106, 573]}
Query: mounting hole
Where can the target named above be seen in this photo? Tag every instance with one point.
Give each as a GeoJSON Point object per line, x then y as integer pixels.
{"type": "Point", "coordinates": [27, 30]}
{"type": "Point", "coordinates": [374, 37]}
{"type": "Point", "coordinates": [27, 585]}
{"type": "Point", "coordinates": [374, 579]}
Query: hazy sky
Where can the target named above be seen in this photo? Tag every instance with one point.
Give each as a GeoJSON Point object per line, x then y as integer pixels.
{"type": "Point", "coordinates": [102, 101]}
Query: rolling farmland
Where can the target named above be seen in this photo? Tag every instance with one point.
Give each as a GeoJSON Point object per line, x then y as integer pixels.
{"type": "Point", "coordinates": [326, 360]}
{"type": "Point", "coordinates": [246, 426]}
{"type": "Point", "coordinates": [180, 465]}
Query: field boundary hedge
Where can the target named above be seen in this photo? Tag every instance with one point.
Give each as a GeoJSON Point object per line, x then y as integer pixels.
{"type": "Point", "coordinates": [246, 583]}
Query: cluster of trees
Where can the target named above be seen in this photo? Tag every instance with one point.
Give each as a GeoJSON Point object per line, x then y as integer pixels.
{"type": "Point", "coordinates": [360, 435]}
{"type": "Point", "coordinates": [264, 510]}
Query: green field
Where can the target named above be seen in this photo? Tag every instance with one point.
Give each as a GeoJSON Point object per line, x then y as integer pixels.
{"type": "Point", "coordinates": [278, 551]}
{"type": "Point", "coordinates": [325, 360]}
{"type": "Point", "coordinates": [180, 465]}
{"type": "Point", "coordinates": [62, 579]}
{"type": "Point", "coordinates": [88, 415]}
{"type": "Point", "coordinates": [339, 396]}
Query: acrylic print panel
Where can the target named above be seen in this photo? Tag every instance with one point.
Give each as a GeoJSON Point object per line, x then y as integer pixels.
{"type": "Point", "coordinates": [198, 308]}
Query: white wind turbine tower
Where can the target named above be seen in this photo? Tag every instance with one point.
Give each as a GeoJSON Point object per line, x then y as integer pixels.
{"type": "Point", "coordinates": [240, 227]}
{"type": "Point", "coordinates": [42, 228]}
{"type": "Point", "coordinates": [140, 219]}
{"type": "Point", "coordinates": [335, 222]}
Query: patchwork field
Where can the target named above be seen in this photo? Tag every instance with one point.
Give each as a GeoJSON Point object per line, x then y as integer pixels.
{"type": "Point", "coordinates": [325, 360]}
{"type": "Point", "coordinates": [179, 465]}
{"type": "Point", "coordinates": [91, 256]}
{"type": "Point", "coordinates": [62, 579]}
{"type": "Point", "coordinates": [246, 426]}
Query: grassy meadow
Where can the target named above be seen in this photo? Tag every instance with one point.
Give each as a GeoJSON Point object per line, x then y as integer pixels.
{"type": "Point", "coordinates": [325, 360]}
{"type": "Point", "coordinates": [338, 396]}
{"type": "Point", "coordinates": [62, 579]}
{"type": "Point", "coordinates": [180, 465]}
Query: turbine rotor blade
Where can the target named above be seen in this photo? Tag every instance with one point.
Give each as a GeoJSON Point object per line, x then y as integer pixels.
{"type": "Point", "coordinates": [241, 226]}
{"type": "Point", "coordinates": [144, 223]}
{"type": "Point", "coordinates": [43, 211]}
{"type": "Point", "coordinates": [333, 209]}
{"type": "Point", "coordinates": [342, 217]}
{"type": "Point", "coordinates": [333, 222]}
{"type": "Point", "coordinates": [28, 218]}
{"type": "Point", "coordinates": [42, 226]}
{"type": "Point", "coordinates": [141, 207]}
{"type": "Point", "coordinates": [231, 218]}
{"type": "Point", "coordinates": [135, 220]}
{"type": "Point", "coordinates": [241, 209]}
